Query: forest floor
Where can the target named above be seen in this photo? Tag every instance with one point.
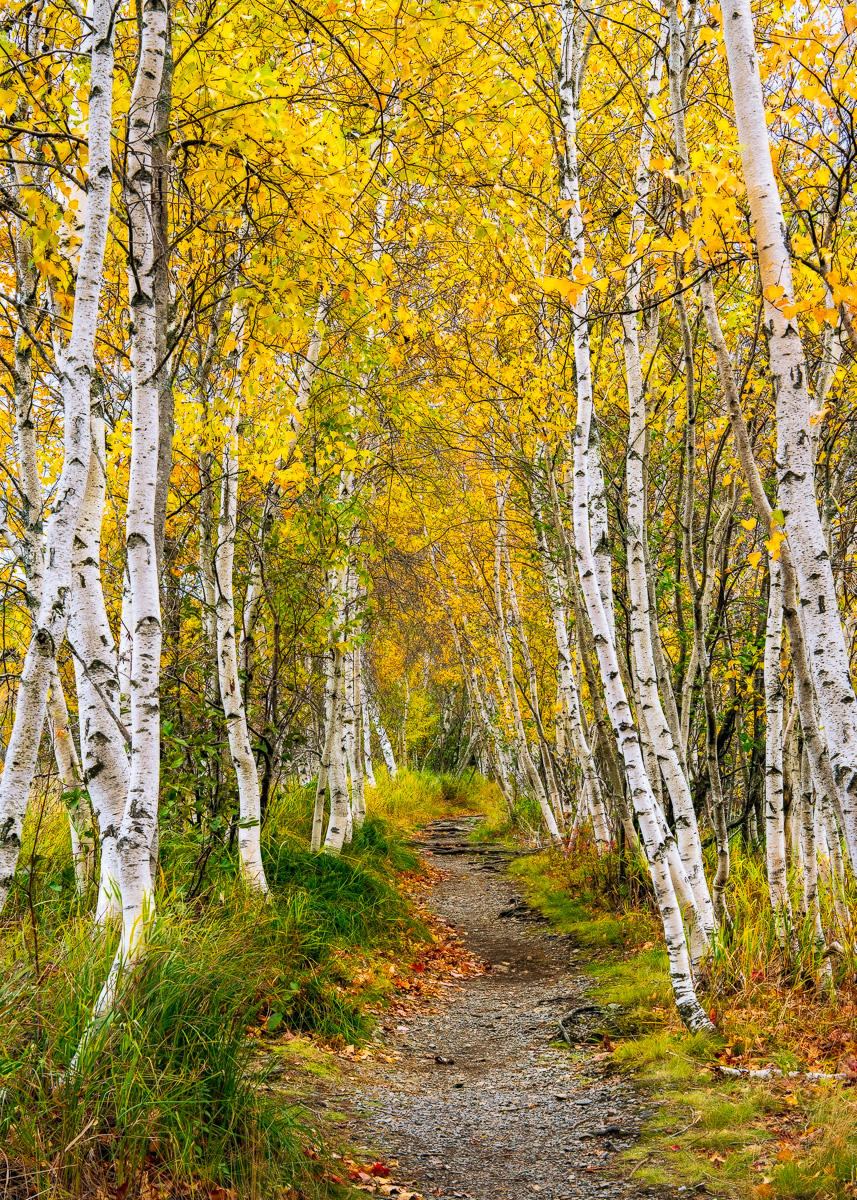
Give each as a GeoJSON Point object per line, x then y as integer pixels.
{"type": "Point", "coordinates": [477, 1098]}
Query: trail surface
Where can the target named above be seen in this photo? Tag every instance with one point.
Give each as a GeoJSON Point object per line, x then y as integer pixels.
{"type": "Point", "coordinates": [480, 1104]}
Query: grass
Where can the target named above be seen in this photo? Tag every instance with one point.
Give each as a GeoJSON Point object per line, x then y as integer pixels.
{"type": "Point", "coordinates": [414, 798]}
{"type": "Point", "coordinates": [180, 1083]}
{"type": "Point", "coordinates": [732, 1137]}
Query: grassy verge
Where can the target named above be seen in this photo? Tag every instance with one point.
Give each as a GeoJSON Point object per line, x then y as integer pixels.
{"type": "Point", "coordinates": [415, 798]}
{"type": "Point", "coordinates": [723, 1136]}
{"type": "Point", "coordinates": [179, 1087]}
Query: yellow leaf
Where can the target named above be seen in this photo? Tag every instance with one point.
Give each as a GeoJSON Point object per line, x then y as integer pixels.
{"type": "Point", "coordinates": [754, 559]}
{"type": "Point", "coordinates": [773, 544]}
{"type": "Point", "coordinates": [751, 524]}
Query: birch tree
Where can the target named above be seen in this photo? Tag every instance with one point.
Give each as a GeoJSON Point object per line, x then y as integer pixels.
{"type": "Point", "coordinates": [75, 372]}
{"type": "Point", "coordinates": [655, 836]}
{"type": "Point", "coordinates": [139, 822]}
{"type": "Point", "coordinates": [234, 708]}
{"type": "Point", "coordinates": [828, 653]}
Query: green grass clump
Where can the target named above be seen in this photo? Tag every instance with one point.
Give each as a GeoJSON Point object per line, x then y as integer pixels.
{"type": "Point", "coordinates": [167, 1082]}
{"type": "Point", "coordinates": [171, 1086]}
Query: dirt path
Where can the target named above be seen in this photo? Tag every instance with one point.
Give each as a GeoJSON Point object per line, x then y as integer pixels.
{"type": "Point", "coordinates": [511, 1115]}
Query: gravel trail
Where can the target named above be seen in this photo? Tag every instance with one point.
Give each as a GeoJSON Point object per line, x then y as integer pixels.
{"type": "Point", "coordinates": [480, 1103]}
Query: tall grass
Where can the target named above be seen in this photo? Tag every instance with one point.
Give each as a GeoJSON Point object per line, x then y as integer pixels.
{"type": "Point", "coordinates": [172, 1084]}
{"type": "Point", "coordinates": [414, 798]}
{"type": "Point", "coordinates": [167, 1081]}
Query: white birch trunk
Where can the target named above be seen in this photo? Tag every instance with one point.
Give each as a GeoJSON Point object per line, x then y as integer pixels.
{"type": "Point", "coordinates": [367, 728]}
{"type": "Point", "coordinates": [332, 678]}
{"type": "Point", "coordinates": [532, 684]}
{"type": "Point", "coordinates": [75, 370]}
{"type": "Point", "coordinates": [654, 840]}
{"type": "Point", "coordinates": [643, 620]}
{"type": "Point", "coordinates": [351, 733]}
{"type": "Point", "coordinates": [103, 746]}
{"type": "Point", "coordinates": [505, 648]}
{"type": "Point", "coordinates": [775, 834]}
{"type": "Point", "coordinates": [137, 832]}
{"type": "Point", "coordinates": [828, 652]}
{"type": "Point", "coordinates": [340, 806]}
{"type": "Point", "coordinates": [231, 695]}
{"type": "Point", "coordinates": [29, 550]}
{"type": "Point", "coordinates": [339, 821]}
{"type": "Point", "coordinates": [80, 819]}
{"type": "Point", "coordinates": [569, 698]}
{"type": "Point", "coordinates": [383, 736]}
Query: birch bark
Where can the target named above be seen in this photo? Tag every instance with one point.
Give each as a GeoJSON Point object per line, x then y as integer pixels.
{"type": "Point", "coordinates": [828, 652]}
{"type": "Point", "coordinates": [80, 817]}
{"type": "Point", "coordinates": [505, 648]}
{"type": "Point", "coordinates": [643, 619]}
{"type": "Point", "coordinates": [517, 623]}
{"type": "Point", "coordinates": [75, 370]}
{"type": "Point", "coordinates": [775, 832]}
{"type": "Point", "coordinates": [138, 829]}
{"type": "Point", "coordinates": [231, 695]}
{"type": "Point", "coordinates": [332, 678]}
{"type": "Point", "coordinates": [570, 698]}
{"type": "Point", "coordinates": [339, 821]}
{"type": "Point", "coordinates": [383, 736]}
{"type": "Point", "coordinates": [367, 728]}
{"type": "Point", "coordinates": [654, 839]}
{"type": "Point", "coordinates": [105, 758]}
{"type": "Point", "coordinates": [28, 548]}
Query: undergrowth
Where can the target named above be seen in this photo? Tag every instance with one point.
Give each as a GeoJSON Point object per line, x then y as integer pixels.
{"type": "Point", "coordinates": [727, 1136]}
{"type": "Point", "coordinates": [171, 1086]}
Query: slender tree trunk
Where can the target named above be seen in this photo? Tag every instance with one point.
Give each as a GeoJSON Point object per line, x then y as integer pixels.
{"type": "Point", "coordinates": [569, 697]}
{"type": "Point", "coordinates": [383, 736]}
{"type": "Point", "coordinates": [332, 678]}
{"type": "Point", "coordinates": [367, 728]}
{"type": "Point", "coordinates": [505, 648]}
{"type": "Point", "coordinates": [231, 695]}
{"type": "Point", "coordinates": [80, 817]}
{"type": "Point", "coordinates": [103, 742]}
{"type": "Point", "coordinates": [137, 832]}
{"type": "Point", "coordinates": [339, 821]}
{"type": "Point", "coordinates": [654, 838]}
{"type": "Point", "coordinates": [75, 371]}
{"type": "Point", "coordinates": [28, 548]}
{"type": "Point", "coordinates": [161, 290]}
{"type": "Point", "coordinates": [644, 631]}
{"type": "Point", "coordinates": [828, 652]}
{"type": "Point", "coordinates": [517, 623]}
{"type": "Point", "coordinates": [775, 838]}
{"type": "Point", "coordinates": [358, 775]}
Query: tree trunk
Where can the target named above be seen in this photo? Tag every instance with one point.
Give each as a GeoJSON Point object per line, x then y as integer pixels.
{"type": "Point", "coordinates": [75, 371]}
{"type": "Point", "coordinates": [775, 836]}
{"type": "Point", "coordinates": [644, 630]}
{"type": "Point", "coordinates": [231, 695]}
{"type": "Point", "coordinates": [654, 839]}
{"type": "Point", "coordinates": [102, 742]}
{"type": "Point", "coordinates": [828, 652]}
{"type": "Point", "coordinates": [137, 832]}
